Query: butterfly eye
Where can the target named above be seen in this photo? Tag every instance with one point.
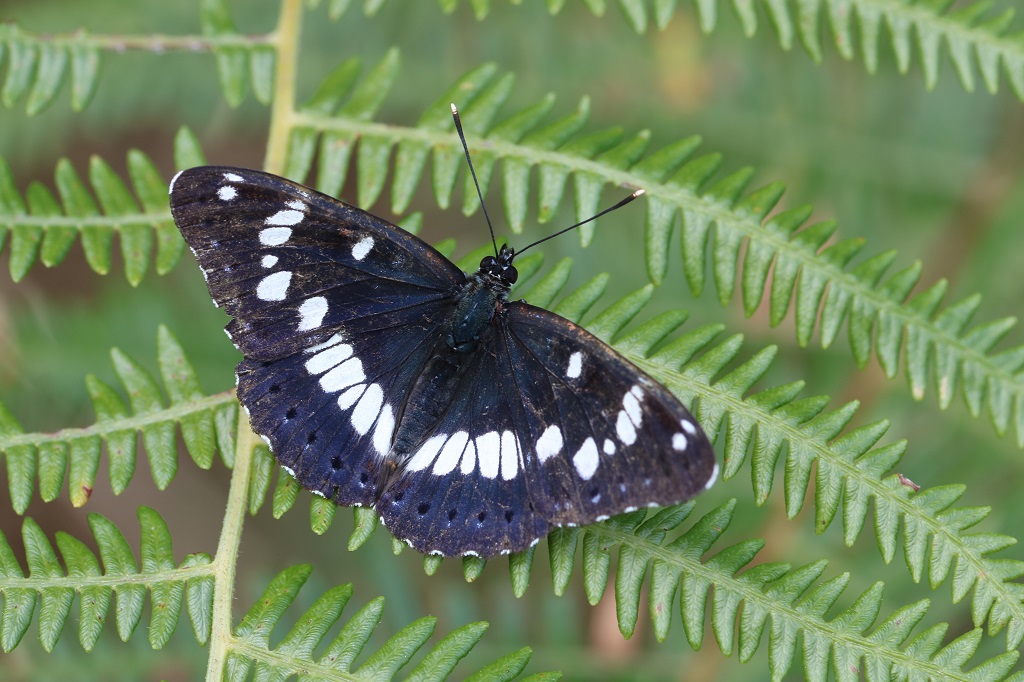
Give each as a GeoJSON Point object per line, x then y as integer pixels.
{"type": "Point", "coordinates": [488, 263]}
{"type": "Point", "coordinates": [510, 274]}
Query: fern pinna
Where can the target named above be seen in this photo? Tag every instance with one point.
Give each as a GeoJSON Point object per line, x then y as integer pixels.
{"type": "Point", "coordinates": [807, 615]}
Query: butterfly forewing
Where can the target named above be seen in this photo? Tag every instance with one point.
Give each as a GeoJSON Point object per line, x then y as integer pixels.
{"type": "Point", "coordinates": [277, 255]}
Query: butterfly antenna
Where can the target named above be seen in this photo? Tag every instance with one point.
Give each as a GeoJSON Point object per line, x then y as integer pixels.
{"type": "Point", "coordinates": [631, 197]}
{"type": "Point", "coordinates": [465, 147]}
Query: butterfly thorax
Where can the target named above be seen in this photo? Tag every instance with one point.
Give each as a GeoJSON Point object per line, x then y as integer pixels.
{"type": "Point", "coordinates": [481, 297]}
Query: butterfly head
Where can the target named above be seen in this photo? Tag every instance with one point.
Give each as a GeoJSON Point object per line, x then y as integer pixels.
{"type": "Point", "coordinates": [500, 266]}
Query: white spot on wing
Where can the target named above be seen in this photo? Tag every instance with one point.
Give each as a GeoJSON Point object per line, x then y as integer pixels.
{"type": "Point", "coordinates": [349, 397]}
{"type": "Point", "coordinates": [609, 446]}
{"type": "Point", "coordinates": [269, 261]}
{"type": "Point", "coordinates": [327, 358]}
{"type": "Point", "coordinates": [632, 407]}
{"type": "Point", "coordinates": [714, 477]}
{"type": "Point", "coordinates": [575, 365]}
{"type": "Point", "coordinates": [177, 175]}
{"type": "Point", "coordinates": [344, 375]}
{"type": "Point", "coordinates": [488, 447]}
{"type": "Point", "coordinates": [426, 454]}
{"type": "Point", "coordinates": [362, 248]}
{"type": "Point", "coordinates": [318, 494]}
{"type": "Point", "coordinates": [368, 407]}
{"type": "Point", "coordinates": [679, 442]}
{"type": "Point", "coordinates": [586, 459]}
{"type": "Point", "coordinates": [289, 471]}
{"type": "Point", "coordinates": [233, 177]}
{"type": "Point", "coordinates": [275, 236]}
{"type": "Point", "coordinates": [688, 427]}
{"type": "Point", "coordinates": [333, 341]}
{"type": "Point", "coordinates": [549, 444]}
{"type": "Point", "coordinates": [312, 312]}
{"type": "Point", "coordinates": [451, 453]}
{"type": "Point", "coordinates": [227, 193]}
{"type": "Point", "coordinates": [510, 457]}
{"type": "Point", "coordinates": [625, 429]}
{"type": "Point", "coordinates": [274, 287]}
{"type": "Point", "coordinates": [296, 204]}
{"type": "Point", "coordinates": [383, 431]}
{"type": "Point", "coordinates": [287, 217]}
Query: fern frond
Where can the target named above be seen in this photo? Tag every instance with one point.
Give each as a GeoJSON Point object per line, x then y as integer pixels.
{"type": "Point", "coordinates": [851, 468]}
{"type": "Point", "coordinates": [44, 228]}
{"type": "Point", "coordinates": [206, 423]}
{"type": "Point", "coordinates": [519, 140]}
{"type": "Point", "coordinates": [884, 316]}
{"type": "Point", "coordinates": [795, 599]}
{"type": "Point", "coordinates": [880, 313]}
{"type": "Point", "coordinates": [241, 60]}
{"type": "Point", "coordinates": [37, 65]}
{"type": "Point", "coordinates": [973, 36]}
{"type": "Point", "coordinates": [674, 183]}
{"type": "Point", "coordinates": [250, 646]}
{"type": "Point", "coordinates": [54, 588]}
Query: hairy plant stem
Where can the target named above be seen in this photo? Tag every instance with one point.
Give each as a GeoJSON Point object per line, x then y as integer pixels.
{"type": "Point", "coordinates": [225, 563]}
{"type": "Point", "coordinates": [286, 39]}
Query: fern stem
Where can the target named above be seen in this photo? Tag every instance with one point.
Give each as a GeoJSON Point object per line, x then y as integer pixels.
{"type": "Point", "coordinates": [286, 39]}
{"type": "Point", "coordinates": [137, 422]}
{"type": "Point", "coordinates": [151, 42]}
{"type": "Point", "coordinates": [226, 561]}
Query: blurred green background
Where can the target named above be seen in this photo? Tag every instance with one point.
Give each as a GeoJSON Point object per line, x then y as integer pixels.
{"type": "Point", "coordinates": [935, 175]}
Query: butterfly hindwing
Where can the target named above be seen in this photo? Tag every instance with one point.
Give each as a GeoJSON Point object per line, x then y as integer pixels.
{"type": "Point", "coordinates": [548, 427]}
{"type": "Point", "coordinates": [603, 437]}
{"type": "Point", "coordinates": [465, 489]}
{"type": "Point", "coordinates": [330, 410]}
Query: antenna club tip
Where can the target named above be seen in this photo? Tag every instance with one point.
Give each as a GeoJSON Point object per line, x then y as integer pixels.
{"type": "Point", "coordinates": [455, 109]}
{"type": "Point", "coordinates": [639, 193]}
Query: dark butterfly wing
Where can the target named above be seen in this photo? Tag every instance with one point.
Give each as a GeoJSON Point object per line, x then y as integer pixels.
{"type": "Point", "coordinates": [334, 309]}
{"type": "Point", "coordinates": [606, 438]}
{"type": "Point", "coordinates": [466, 488]}
{"type": "Point", "coordinates": [549, 427]}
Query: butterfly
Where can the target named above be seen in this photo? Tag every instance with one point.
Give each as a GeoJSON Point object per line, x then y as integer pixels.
{"type": "Point", "coordinates": [381, 375]}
